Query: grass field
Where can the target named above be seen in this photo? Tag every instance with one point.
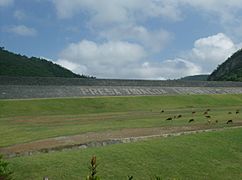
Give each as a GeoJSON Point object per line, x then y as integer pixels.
{"type": "Point", "coordinates": [28, 120]}
{"type": "Point", "coordinates": [211, 155]}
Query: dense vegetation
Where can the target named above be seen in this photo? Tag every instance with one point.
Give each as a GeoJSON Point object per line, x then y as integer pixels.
{"type": "Point", "coordinates": [12, 64]}
{"type": "Point", "coordinates": [230, 70]}
{"type": "Point", "coordinates": [202, 77]}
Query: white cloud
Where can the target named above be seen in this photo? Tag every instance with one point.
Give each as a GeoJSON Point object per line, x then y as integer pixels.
{"type": "Point", "coordinates": [22, 30]}
{"type": "Point", "coordinates": [4, 3]}
{"type": "Point", "coordinates": [213, 50]}
{"type": "Point", "coordinates": [154, 40]}
{"type": "Point", "coordinates": [168, 69]}
{"type": "Point", "coordinates": [225, 11]}
{"type": "Point", "coordinates": [72, 66]}
{"type": "Point", "coordinates": [120, 60]}
{"type": "Point", "coordinates": [113, 53]}
{"type": "Point", "coordinates": [118, 11]}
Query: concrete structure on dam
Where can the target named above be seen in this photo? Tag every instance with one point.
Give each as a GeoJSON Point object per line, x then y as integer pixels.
{"type": "Point", "coordinates": [21, 88]}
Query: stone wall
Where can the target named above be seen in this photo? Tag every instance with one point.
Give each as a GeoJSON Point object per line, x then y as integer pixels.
{"type": "Point", "coordinates": [22, 91]}
{"type": "Point", "coordinates": [29, 87]}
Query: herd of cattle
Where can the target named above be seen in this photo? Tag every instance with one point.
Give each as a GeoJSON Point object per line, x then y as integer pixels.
{"type": "Point", "coordinates": [208, 117]}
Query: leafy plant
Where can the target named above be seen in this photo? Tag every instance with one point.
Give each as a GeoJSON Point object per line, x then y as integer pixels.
{"type": "Point", "coordinates": [5, 172]}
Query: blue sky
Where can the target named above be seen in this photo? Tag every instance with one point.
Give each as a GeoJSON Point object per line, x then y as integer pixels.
{"type": "Point", "coordinates": [144, 39]}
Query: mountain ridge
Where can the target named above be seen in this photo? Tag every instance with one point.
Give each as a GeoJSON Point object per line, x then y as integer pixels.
{"type": "Point", "coordinates": [12, 64]}
{"type": "Point", "coordinates": [230, 70]}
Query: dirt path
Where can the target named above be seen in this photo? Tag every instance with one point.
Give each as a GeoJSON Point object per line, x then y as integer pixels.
{"type": "Point", "coordinates": [93, 139]}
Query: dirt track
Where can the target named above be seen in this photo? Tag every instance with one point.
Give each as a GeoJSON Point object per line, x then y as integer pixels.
{"type": "Point", "coordinates": [92, 139]}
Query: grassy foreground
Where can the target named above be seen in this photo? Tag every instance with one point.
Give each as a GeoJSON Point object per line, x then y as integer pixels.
{"type": "Point", "coordinates": [212, 155]}
{"type": "Point", "coordinates": [28, 120]}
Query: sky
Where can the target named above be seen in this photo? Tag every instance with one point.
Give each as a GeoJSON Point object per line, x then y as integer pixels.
{"type": "Point", "coordinates": [127, 39]}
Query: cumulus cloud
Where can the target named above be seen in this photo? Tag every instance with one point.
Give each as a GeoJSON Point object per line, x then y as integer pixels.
{"type": "Point", "coordinates": [120, 59]}
{"type": "Point", "coordinates": [112, 52]}
{"type": "Point", "coordinates": [4, 3]}
{"type": "Point", "coordinates": [210, 51]}
{"type": "Point", "coordinates": [22, 30]}
{"type": "Point", "coordinates": [168, 69]}
{"type": "Point", "coordinates": [153, 40]}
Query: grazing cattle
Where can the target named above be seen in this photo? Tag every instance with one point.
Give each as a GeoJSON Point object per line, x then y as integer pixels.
{"type": "Point", "coordinates": [229, 112]}
{"type": "Point", "coordinates": [162, 111]}
{"type": "Point", "coordinates": [209, 121]}
{"type": "Point", "coordinates": [208, 116]}
{"type": "Point", "coordinates": [237, 112]}
{"type": "Point", "coordinates": [179, 116]}
{"type": "Point", "coordinates": [229, 121]}
{"type": "Point", "coordinates": [193, 112]}
{"type": "Point", "coordinates": [208, 109]}
{"type": "Point", "coordinates": [191, 120]}
{"type": "Point", "coordinates": [174, 117]}
{"type": "Point", "coordinates": [216, 121]}
{"type": "Point", "coordinates": [205, 112]}
{"type": "Point", "coordinates": [170, 118]}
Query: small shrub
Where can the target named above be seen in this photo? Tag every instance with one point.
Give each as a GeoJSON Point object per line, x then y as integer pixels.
{"type": "Point", "coordinates": [5, 172]}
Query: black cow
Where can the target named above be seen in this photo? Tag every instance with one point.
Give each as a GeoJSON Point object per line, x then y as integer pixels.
{"type": "Point", "coordinates": [229, 121]}
{"type": "Point", "coordinates": [191, 120]}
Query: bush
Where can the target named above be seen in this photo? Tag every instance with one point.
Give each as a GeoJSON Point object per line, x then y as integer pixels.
{"type": "Point", "coordinates": [5, 172]}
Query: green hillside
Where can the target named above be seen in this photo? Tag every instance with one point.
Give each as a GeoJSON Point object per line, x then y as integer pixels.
{"type": "Point", "coordinates": [230, 70]}
{"type": "Point", "coordinates": [12, 64]}
{"type": "Point", "coordinates": [202, 77]}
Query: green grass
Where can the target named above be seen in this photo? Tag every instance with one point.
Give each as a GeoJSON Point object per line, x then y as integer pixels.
{"type": "Point", "coordinates": [211, 155]}
{"type": "Point", "coordinates": [72, 106]}
{"type": "Point", "coordinates": [28, 120]}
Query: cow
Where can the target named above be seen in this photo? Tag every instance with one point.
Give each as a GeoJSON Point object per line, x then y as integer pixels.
{"type": "Point", "coordinates": [170, 118]}
{"type": "Point", "coordinates": [179, 116]}
{"type": "Point", "coordinates": [229, 121]}
{"type": "Point", "coordinates": [191, 120]}
{"type": "Point", "coordinates": [208, 117]}
{"type": "Point", "coordinates": [229, 112]}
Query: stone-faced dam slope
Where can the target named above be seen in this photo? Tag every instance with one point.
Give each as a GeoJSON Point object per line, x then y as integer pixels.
{"type": "Point", "coordinates": [32, 87]}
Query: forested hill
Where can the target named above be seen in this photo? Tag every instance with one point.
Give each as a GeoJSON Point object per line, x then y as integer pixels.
{"type": "Point", "coordinates": [230, 70]}
{"type": "Point", "coordinates": [202, 77]}
{"type": "Point", "coordinates": [12, 64]}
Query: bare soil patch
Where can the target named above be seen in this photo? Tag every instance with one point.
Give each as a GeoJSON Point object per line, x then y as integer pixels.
{"type": "Point", "coordinates": [91, 139]}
